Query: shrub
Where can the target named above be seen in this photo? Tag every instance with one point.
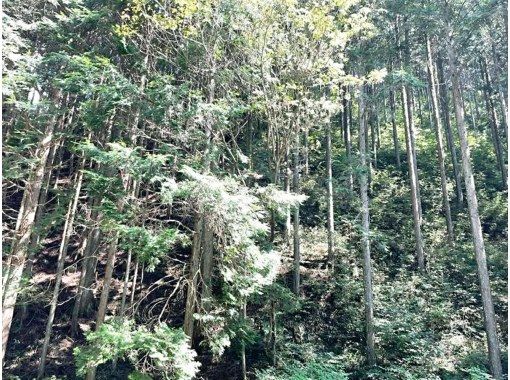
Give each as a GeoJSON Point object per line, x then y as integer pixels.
{"type": "Point", "coordinates": [165, 351]}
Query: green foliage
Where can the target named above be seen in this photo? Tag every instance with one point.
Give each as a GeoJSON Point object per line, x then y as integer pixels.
{"type": "Point", "coordinates": [319, 369]}
{"type": "Point", "coordinates": [127, 160]}
{"type": "Point", "coordinates": [164, 351]}
{"type": "Point", "coordinates": [150, 247]}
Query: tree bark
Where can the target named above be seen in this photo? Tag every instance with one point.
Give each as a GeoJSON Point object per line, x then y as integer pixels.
{"type": "Point", "coordinates": [493, 121]}
{"type": "Point", "coordinates": [367, 264]}
{"type": "Point", "coordinates": [62, 255]}
{"type": "Point", "coordinates": [347, 133]}
{"type": "Point", "coordinates": [83, 299]}
{"type": "Point", "coordinates": [481, 260]}
{"type": "Point", "coordinates": [243, 345]}
{"type": "Point", "coordinates": [288, 221]}
{"type": "Point", "coordinates": [420, 256]}
{"type": "Point", "coordinates": [207, 265]}
{"type": "Point", "coordinates": [306, 170]}
{"type": "Point", "coordinates": [449, 135]}
{"type": "Point", "coordinates": [36, 233]}
{"type": "Point", "coordinates": [396, 148]}
{"type": "Point", "coordinates": [194, 272]}
{"type": "Point", "coordinates": [295, 186]}
{"type": "Point", "coordinates": [331, 222]}
{"type": "Point", "coordinates": [501, 93]}
{"type": "Point", "coordinates": [439, 139]}
{"type": "Point", "coordinates": [412, 134]}
{"type": "Point", "coordinates": [24, 225]}
{"type": "Point", "coordinates": [126, 283]}
{"type": "Point", "coordinates": [103, 302]}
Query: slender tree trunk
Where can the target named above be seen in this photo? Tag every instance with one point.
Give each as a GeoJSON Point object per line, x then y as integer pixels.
{"type": "Point", "coordinates": [396, 147]}
{"type": "Point", "coordinates": [272, 340]}
{"type": "Point", "coordinates": [410, 122]}
{"type": "Point", "coordinates": [368, 149]}
{"type": "Point", "coordinates": [194, 272]}
{"type": "Point", "coordinates": [103, 302]}
{"type": "Point", "coordinates": [135, 278]}
{"type": "Point", "coordinates": [367, 264]}
{"type": "Point", "coordinates": [288, 219]}
{"type": "Point", "coordinates": [420, 113]}
{"type": "Point", "coordinates": [295, 186]}
{"type": "Point", "coordinates": [429, 107]}
{"type": "Point", "coordinates": [501, 93]}
{"type": "Point", "coordinates": [207, 265]}
{"type": "Point", "coordinates": [62, 255]}
{"type": "Point", "coordinates": [83, 299]}
{"type": "Point", "coordinates": [439, 138]}
{"type": "Point", "coordinates": [347, 131]}
{"type": "Point", "coordinates": [243, 345]}
{"type": "Point", "coordinates": [24, 225]}
{"type": "Point", "coordinates": [449, 135]}
{"type": "Point", "coordinates": [373, 133]}
{"type": "Point", "coordinates": [420, 256]}
{"type": "Point", "coordinates": [250, 141]}
{"type": "Point", "coordinates": [126, 283]}
{"type": "Point", "coordinates": [272, 222]}
{"type": "Point", "coordinates": [331, 223]}
{"type": "Point", "coordinates": [36, 233]}
{"type": "Point", "coordinates": [412, 134]}
{"type": "Point", "coordinates": [305, 153]}
{"type": "Point", "coordinates": [493, 121]}
{"type": "Point", "coordinates": [481, 260]}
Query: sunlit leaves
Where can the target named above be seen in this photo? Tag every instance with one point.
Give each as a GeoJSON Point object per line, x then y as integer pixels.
{"type": "Point", "coordinates": [164, 351]}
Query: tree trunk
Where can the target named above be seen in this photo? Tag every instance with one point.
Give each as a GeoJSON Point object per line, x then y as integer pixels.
{"type": "Point", "coordinates": [501, 93]}
{"type": "Point", "coordinates": [481, 260]}
{"type": "Point", "coordinates": [420, 256]}
{"type": "Point", "coordinates": [62, 255]}
{"type": "Point", "coordinates": [373, 134]}
{"type": "Point", "coordinates": [126, 283]}
{"type": "Point", "coordinates": [396, 147]}
{"type": "Point", "coordinates": [420, 112]}
{"type": "Point", "coordinates": [439, 138]}
{"type": "Point", "coordinates": [305, 153]}
{"type": "Point", "coordinates": [103, 302]}
{"type": "Point", "coordinates": [83, 299]}
{"type": "Point", "coordinates": [133, 288]}
{"type": "Point", "coordinates": [288, 221]}
{"type": "Point", "coordinates": [493, 121]}
{"type": "Point", "coordinates": [295, 187]}
{"type": "Point", "coordinates": [347, 136]}
{"type": "Point", "coordinates": [243, 345]}
{"type": "Point", "coordinates": [411, 128]}
{"type": "Point", "coordinates": [36, 233]}
{"type": "Point", "coordinates": [331, 223]}
{"type": "Point", "coordinates": [24, 225]}
{"type": "Point", "coordinates": [449, 135]}
{"type": "Point", "coordinates": [272, 340]}
{"type": "Point", "coordinates": [272, 222]}
{"type": "Point", "coordinates": [194, 272]}
{"type": "Point", "coordinates": [207, 265]}
{"type": "Point", "coordinates": [367, 264]}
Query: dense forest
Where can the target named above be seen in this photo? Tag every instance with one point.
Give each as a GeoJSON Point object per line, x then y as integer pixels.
{"type": "Point", "coordinates": [254, 189]}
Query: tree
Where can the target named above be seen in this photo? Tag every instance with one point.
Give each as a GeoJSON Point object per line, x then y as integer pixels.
{"type": "Point", "coordinates": [367, 265]}
{"type": "Point", "coordinates": [476, 228]}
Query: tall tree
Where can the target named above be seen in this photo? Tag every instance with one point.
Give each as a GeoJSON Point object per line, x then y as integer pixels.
{"type": "Point", "coordinates": [439, 140]}
{"type": "Point", "coordinates": [476, 228]}
{"type": "Point", "coordinates": [365, 218]}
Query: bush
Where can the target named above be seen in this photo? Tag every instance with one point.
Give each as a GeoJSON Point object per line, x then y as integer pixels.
{"type": "Point", "coordinates": [318, 370]}
{"type": "Point", "coordinates": [164, 351]}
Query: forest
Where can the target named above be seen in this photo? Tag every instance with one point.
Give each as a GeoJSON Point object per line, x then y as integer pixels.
{"type": "Point", "coordinates": [254, 189]}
